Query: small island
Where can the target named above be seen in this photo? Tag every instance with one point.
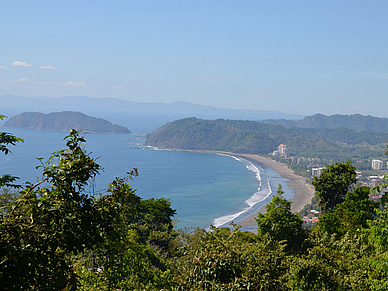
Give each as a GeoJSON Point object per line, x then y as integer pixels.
{"type": "Point", "coordinates": [64, 121]}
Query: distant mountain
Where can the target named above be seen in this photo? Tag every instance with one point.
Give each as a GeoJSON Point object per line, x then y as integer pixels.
{"type": "Point", "coordinates": [356, 122]}
{"type": "Point", "coordinates": [65, 120]}
{"type": "Point", "coordinates": [140, 117]}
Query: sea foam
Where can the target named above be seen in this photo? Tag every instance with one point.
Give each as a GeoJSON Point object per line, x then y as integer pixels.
{"type": "Point", "coordinates": [259, 196]}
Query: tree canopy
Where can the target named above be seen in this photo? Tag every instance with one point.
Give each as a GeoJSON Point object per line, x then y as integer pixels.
{"type": "Point", "coordinates": [280, 223]}
{"type": "Point", "coordinates": [53, 236]}
{"type": "Point", "coordinates": [7, 139]}
{"type": "Point", "coordinates": [333, 184]}
{"type": "Point", "coordinates": [54, 220]}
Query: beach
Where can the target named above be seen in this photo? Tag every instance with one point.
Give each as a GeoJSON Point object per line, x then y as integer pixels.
{"type": "Point", "coordinates": [303, 191]}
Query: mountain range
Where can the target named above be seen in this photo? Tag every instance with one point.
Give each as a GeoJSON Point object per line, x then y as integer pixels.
{"type": "Point", "coordinates": [356, 122]}
{"type": "Point", "coordinates": [140, 117]}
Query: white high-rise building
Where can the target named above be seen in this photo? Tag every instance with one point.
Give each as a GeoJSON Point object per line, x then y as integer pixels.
{"type": "Point", "coordinates": [377, 165]}
{"type": "Point", "coordinates": [317, 171]}
{"type": "Point", "coordinates": [283, 152]}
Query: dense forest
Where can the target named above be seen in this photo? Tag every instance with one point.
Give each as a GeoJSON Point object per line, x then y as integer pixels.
{"type": "Point", "coordinates": [55, 237]}
{"type": "Point", "coordinates": [356, 122]}
{"type": "Point", "coordinates": [259, 138]}
{"type": "Point", "coordinates": [64, 121]}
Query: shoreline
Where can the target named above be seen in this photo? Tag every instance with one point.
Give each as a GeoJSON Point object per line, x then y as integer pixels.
{"type": "Point", "coordinates": [303, 191]}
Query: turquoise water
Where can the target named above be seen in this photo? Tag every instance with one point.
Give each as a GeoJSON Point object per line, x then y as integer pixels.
{"type": "Point", "coordinates": [204, 188]}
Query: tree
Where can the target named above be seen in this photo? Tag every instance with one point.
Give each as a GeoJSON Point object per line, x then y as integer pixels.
{"type": "Point", "coordinates": [333, 184]}
{"type": "Point", "coordinates": [45, 226]}
{"type": "Point", "coordinates": [137, 240]}
{"type": "Point", "coordinates": [54, 223]}
{"type": "Point", "coordinates": [225, 259]}
{"type": "Point", "coordinates": [350, 215]}
{"type": "Point", "coordinates": [5, 140]}
{"type": "Point", "coordinates": [280, 223]}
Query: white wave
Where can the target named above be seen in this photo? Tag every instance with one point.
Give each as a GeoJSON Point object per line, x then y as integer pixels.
{"type": "Point", "coordinates": [248, 164]}
{"type": "Point", "coordinates": [257, 197]}
{"type": "Point", "coordinates": [217, 222]}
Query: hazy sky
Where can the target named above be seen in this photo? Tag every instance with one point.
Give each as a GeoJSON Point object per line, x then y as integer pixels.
{"type": "Point", "coordinates": [292, 56]}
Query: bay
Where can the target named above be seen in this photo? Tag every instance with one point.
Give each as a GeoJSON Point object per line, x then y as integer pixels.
{"type": "Point", "coordinates": [204, 188]}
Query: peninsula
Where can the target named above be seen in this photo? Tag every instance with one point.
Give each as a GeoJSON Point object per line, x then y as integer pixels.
{"type": "Point", "coordinates": [64, 121]}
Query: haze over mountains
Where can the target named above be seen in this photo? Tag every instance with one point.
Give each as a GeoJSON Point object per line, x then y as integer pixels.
{"type": "Point", "coordinates": [356, 122]}
{"type": "Point", "coordinates": [139, 117]}
{"type": "Point", "coordinates": [146, 117]}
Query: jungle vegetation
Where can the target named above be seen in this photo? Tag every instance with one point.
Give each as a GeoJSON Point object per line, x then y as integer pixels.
{"type": "Point", "coordinates": [254, 137]}
{"type": "Point", "coordinates": [55, 237]}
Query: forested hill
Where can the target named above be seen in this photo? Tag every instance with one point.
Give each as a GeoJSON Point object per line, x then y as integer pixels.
{"type": "Point", "coordinates": [356, 122]}
{"type": "Point", "coordinates": [257, 137]}
{"type": "Point", "coordinates": [65, 120]}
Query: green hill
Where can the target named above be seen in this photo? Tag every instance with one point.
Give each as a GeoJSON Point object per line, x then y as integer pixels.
{"type": "Point", "coordinates": [65, 120]}
{"type": "Point", "coordinates": [260, 138]}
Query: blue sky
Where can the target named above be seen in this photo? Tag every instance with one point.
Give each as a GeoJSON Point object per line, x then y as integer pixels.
{"type": "Point", "coordinates": [300, 57]}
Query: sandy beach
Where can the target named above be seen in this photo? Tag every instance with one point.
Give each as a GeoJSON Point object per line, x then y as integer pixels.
{"type": "Point", "coordinates": [303, 191]}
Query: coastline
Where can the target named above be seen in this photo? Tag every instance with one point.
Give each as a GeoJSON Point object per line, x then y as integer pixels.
{"type": "Point", "coordinates": [303, 192]}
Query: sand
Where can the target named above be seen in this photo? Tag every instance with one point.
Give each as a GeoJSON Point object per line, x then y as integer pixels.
{"type": "Point", "coordinates": [304, 191]}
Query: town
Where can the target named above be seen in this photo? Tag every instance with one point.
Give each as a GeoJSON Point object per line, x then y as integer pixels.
{"type": "Point", "coordinates": [313, 167]}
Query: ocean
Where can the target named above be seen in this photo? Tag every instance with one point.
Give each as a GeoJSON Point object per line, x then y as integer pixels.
{"type": "Point", "coordinates": [204, 188]}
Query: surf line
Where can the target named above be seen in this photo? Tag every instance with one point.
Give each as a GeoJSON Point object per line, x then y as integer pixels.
{"type": "Point", "coordinates": [259, 196]}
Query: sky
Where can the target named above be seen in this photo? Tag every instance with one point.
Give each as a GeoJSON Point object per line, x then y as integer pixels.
{"type": "Point", "coordinates": [301, 57]}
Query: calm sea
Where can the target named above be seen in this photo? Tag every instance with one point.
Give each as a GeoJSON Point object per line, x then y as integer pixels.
{"type": "Point", "coordinates": [204, 188]}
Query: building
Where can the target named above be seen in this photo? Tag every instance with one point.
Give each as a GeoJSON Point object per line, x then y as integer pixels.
{"type": "Point", "coordinates": [310, 219]}
{"type": "Point", "coordinates": [317, 171]}
{"type": "Point", "coordinates": [377, 165]}
{"type": "Point", "coordinates": [283, 152]}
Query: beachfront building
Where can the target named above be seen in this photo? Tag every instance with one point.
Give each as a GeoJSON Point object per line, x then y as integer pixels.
{"type": "Point", "coordinates": [310, 219]}
{"type": "Point", "coordinates": [377, 165]}
{"type": "Point", "coordinates": [316, 172]}
{"type": "Point", "coordinates": [283, 152]}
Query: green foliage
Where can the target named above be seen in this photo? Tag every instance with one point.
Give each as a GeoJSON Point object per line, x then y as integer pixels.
{"type": "Point", "coordinates": [379, 230]}
{"type": "Point", "coordinates": [47, 228]}
{"type": "Point", "coordinates": [331, 264]}
{"type": "Point", "coordinates": [7, 196]}
{"type": "Point", "coordinates": [225, 259]}
{"type": "Point", "coordinates": [55, 237]}
{"type": "Point", "coordinates": [351, 215]}
{"type": "Point", "coordinates": [46, 225]}
{"type": "Point", "coordinates": [281, 224]}
{"type": "Point", "coordinates": [198, 134]}
{"type": "Point", "coordinates": [259, 138]}
{"type": "Point", "coordinates": [138, 239]}
{"type": "Point", "coordinates": [333, 184]}
{"type": "Point", "coordinates": [7, 139]}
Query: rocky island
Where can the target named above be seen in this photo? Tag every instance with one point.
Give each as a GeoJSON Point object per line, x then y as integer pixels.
{"type": "Point", "coordinates": [64, 121]}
